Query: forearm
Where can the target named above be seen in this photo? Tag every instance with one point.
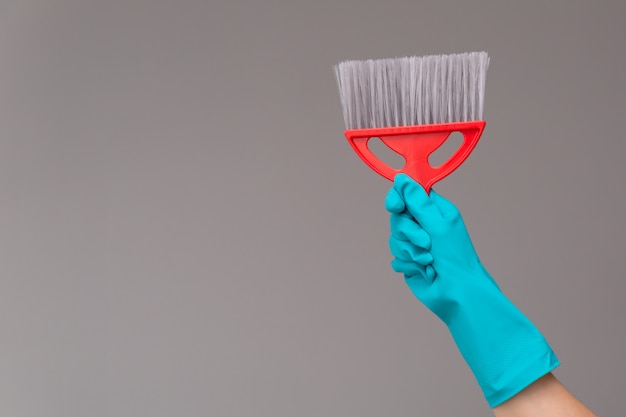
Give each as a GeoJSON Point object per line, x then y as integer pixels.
{"type": "Point", "coordinates": [546, 397]}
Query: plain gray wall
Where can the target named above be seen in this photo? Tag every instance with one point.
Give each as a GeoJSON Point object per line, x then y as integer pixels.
{"type": "Point", "coordinates": [184, 230]}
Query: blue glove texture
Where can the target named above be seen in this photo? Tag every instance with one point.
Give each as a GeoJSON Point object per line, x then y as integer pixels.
{"type": "Point", "coordinates": [433, 250]}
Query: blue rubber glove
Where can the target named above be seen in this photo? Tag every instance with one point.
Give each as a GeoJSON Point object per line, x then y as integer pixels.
{"type": "Point", "coordinates": [433, 250]}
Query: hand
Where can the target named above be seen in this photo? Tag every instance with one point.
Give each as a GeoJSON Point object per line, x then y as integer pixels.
{"type": "Point", "coordinates": [433, 250]}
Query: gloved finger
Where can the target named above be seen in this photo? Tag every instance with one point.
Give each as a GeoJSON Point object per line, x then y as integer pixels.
{"type": "Point", "coordinates": [404, 227]}
{"type": "Point", "coordinates": [430, 273]}
{"type": "Point", "coordinates": [417, 202]}
{"type": "Point", "coordinates": [446, 207]}
{"type": "Point", "coordinates": [409, 269]}
{"type": "Point", "coordinates": [408, 252]}
{"type": "Point", "coordinates": [394, 202]}
{"type": "Point", "coordinates": [416, 281]}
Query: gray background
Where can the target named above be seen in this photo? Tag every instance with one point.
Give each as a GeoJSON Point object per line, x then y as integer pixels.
{"type": "Point", "coordinates": [185, 231]}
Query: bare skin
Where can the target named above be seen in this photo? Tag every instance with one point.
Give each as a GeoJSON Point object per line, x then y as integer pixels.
{"type": "Point", "coordinates": [546, 397]}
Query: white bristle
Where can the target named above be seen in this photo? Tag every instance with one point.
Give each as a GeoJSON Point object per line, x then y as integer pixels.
{"type": "Point", "coordinates": [412, 90]}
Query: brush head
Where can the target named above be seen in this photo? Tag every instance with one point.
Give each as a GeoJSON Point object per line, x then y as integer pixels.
{"type": "Point", "coordinates": [412, 91]}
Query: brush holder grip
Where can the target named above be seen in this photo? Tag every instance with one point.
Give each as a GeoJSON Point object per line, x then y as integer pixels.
{"type": "Point", "coordinates": [415, 144]}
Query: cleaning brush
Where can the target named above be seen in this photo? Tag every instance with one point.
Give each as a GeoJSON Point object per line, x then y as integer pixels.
{"type": "Point", "coordinates": [412, 105]}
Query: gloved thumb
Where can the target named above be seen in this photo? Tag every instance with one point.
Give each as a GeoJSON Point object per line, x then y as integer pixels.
{"type": "Point", "coordinates": [394, 202]}
{"type": "Point", "coordinates": [417, 202]}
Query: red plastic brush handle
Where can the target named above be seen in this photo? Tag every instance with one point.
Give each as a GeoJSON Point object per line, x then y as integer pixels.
{"type": "Point", "coordinates": [415, 144]}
